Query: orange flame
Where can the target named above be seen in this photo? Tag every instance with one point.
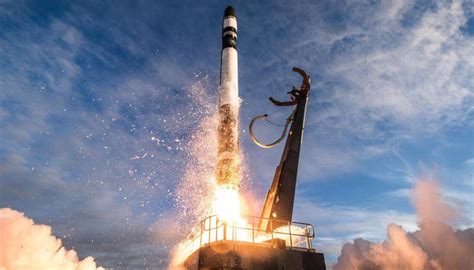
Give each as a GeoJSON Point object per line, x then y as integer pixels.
{"type": "Point", "coordinates": [227, 203]}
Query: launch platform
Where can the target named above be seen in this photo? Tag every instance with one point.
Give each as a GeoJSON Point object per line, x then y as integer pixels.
{"type": "Point", "coordinates": [215, 245]}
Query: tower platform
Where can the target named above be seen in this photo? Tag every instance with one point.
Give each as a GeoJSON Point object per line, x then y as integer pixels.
{"type": "Point", "coordinates": [216, 245]}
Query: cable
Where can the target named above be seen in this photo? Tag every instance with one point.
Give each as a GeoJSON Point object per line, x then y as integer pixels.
{"type": "Point", "coordinates": [275, 124]}
{"type": "Point", "coordinates": [270, 145]}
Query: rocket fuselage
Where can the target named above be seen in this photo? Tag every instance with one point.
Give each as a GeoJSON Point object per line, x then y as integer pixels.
{"type": "Point", "coordinates": [228, 156]}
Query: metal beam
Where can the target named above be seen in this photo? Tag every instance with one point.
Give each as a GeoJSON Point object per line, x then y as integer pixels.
{"type": "Point", "coordinates": [281, 195]}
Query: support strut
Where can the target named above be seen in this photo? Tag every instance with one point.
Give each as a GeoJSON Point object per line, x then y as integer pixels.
{"type": "Point", "coordinates": [281, 195]}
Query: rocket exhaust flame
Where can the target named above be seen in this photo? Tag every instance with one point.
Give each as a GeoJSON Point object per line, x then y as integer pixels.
{"type": "Point", "coordinates": [227, 203]}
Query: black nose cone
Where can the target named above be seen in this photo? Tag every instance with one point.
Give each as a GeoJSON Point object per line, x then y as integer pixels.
{"type": "Point", "coordinates": [229, 11]}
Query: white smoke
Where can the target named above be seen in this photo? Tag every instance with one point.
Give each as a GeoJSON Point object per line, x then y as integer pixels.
{"type": "Point", "coordinates": [435, 246]}
{"type": "Point", "coordinates": [26, 245]}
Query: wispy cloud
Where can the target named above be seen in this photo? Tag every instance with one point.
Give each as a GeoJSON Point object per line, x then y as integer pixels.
{"type": "Point", "coordinates": [381, 81]}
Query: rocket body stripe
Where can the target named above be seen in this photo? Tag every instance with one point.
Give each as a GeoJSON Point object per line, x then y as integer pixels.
{"type": "Point", "coordinates": [229, 21]}
{"type": "Point", "coordinates": [228, 156]}
{"type": "Point", "coordinates": [231, 33]}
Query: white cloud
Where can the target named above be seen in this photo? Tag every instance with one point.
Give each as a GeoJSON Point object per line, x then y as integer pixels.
{"type": "Point", "coordinates": [436, 245]}
{"type": "Point", "coordinates": [26, 245]}
{"type": "Point", "coordinates": [421, 82]}
{"type": "Point", "coordinates": [337, 224]}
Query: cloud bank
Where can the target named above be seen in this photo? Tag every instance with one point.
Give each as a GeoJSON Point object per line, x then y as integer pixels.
{"type": "Point", "coordinates": [26, 245]}
{"type": "Point", "coordinates": [435, 246]}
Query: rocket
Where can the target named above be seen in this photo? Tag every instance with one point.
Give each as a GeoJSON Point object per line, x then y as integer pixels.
{"type": "Point", "coordinates": [228, 155]}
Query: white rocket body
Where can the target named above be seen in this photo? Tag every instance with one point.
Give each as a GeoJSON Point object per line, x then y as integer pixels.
{"type": "Point", "coordinates": [229, 84]}
{"type": "Point", "coordinates": [228, 163]}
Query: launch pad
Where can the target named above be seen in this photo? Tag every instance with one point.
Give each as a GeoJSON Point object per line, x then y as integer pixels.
{"type": "Point", "coordinates": [242, 245]}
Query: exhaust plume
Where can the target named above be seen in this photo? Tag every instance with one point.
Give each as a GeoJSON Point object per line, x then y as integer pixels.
{"type": "Point", "coordinates": [435, 246]}
{"type": "Point", "coordinates": [26, 245]}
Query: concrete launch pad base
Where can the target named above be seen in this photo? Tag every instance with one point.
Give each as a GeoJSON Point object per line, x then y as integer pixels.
{"type": "Point", "coordinates": [253, 256]}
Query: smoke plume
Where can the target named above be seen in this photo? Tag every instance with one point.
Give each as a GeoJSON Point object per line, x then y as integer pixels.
{"type": "Point", "coordinates": [26, 245]}
{"type": "Point", "coordinates": [435, 246]}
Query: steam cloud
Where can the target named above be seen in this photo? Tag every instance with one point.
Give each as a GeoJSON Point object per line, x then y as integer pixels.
{"type": "Point", "coordinates": [26, 245]}
{"type": "Point", "coordinates": [436, 245]}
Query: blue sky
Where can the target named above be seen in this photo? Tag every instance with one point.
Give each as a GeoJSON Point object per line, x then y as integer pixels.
{"type": "Point", "coordinates": [99, 106]}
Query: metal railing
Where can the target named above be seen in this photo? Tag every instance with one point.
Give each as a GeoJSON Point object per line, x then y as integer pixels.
{"type": "Point", "coordinates": [294, 235]}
